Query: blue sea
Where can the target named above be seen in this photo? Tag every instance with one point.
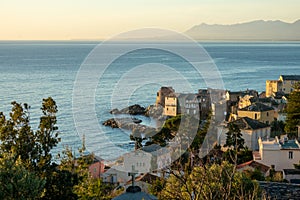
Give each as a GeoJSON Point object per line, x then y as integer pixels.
{"type": "Point", "coordinates": [33, 70]}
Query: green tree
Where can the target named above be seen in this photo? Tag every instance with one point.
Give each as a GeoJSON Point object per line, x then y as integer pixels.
{"type": "Point", "coordinates": [234, 137]}
{"type": "Point", "coordinates": [47, 135]}
{"type": "Point", "coordinates": [16, 181]}
{"type": "Point", "coordinates": [33, 148]}
{"type": "Point", "coordinates": [17, 136]}
{"type": "Point", "coordinates": [297, 166]}
{"type": "Point", "coordinates": [210, 182]}
{"type": "Point", "coordinates": [277, 128]}
{"type": "Point", "coordinates": [84, 186]}
{"type": "Point", "coordinates": [293, 111]}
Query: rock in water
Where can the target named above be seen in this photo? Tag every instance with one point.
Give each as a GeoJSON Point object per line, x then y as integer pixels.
{"type": "Point", "coordinates": [131, 110]}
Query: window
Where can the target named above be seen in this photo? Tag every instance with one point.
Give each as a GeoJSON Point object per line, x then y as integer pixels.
{"type": "Point", "coordinates": [157, 94]}
{"type": "Point", "coordinates": [267, 114]}
{"type": "Point", "coordinates": [290, 155]}
{"type": "Point", "coordinates": [255, 116]}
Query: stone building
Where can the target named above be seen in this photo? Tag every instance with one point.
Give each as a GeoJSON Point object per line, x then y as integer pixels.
{"type": "Point", "coordinates": [162, 93]}
{"type": "Point", "coordinates": [284, 84]}
{"type": "Point", "coordinates": [258, 111]}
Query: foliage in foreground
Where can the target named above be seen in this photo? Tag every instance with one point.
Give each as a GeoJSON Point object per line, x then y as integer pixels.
{"type": "Point", "coordinates": [27, 170]}
{"type": "Point", "coordinates": [210, 182]}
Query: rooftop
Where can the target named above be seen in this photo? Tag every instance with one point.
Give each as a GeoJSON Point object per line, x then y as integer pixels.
{"type": "Point", "coordinates": [246, 123]}
{"type": "Point", "coordinates": [277, 144]}
{"type": "Point", "coordinates": [290, 77]}
{"type": "Point", "coordinates": [258, 107]}
{"type": "Point", "coordinates": [134, 193]}
{"type": "Point", "coordinates": [291, 171]}
{"type": "Point", "coordinates": [290, 144]}
{"type": "Point", "coordinates": [254, 164]}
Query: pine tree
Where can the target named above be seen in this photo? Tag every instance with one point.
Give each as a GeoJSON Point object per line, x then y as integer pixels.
{"type": "Point", "coordinates": [234, 138]}
{"type": "Point", "coordinates": [293, 111]}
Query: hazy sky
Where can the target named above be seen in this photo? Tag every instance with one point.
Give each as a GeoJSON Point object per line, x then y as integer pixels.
{"type": "Point", "coordinates": [99, 19]}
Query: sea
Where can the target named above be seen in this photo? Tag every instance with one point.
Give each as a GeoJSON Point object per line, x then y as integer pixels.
{"type": "Point", "coordinates": [33, 70]}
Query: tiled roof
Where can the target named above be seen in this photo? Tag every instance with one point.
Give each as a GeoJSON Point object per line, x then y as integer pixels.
{"type": "Point", "coordinates": [255, 165]}
{"type": "Point", "coordinates": [289, 144]}
{"type": "Point", "coordinates": [148, 178]}
{"type": "Point", "coordinates": [246, 123]}
{"type": "Point", "coordinates": [291, 77]}
{"type": "Point", "coordinates": [258, 107]}
{"type": "Point", "coordinates": [291, 171]}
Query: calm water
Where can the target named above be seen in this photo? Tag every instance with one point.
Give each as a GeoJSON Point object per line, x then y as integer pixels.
{"type": "Point", "coordinates": [31, 71]}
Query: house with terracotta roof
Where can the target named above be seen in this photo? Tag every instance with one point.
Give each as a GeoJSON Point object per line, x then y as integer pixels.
{"type": "Point", "coordinates": [260, 112]}
{"type": "Point", "coordinates": [144, 181]}
{"type": "Point", "coordinates": [253, 165]}
{"type": "Point", "coordinates": [97, 167]}
{"type": "Point", "coordinates": [251, 130]}
{"type": "Point", "coordinates": [282, 154]}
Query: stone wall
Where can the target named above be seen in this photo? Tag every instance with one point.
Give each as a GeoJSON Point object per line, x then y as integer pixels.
{"type": "Point", "coordinates": [281, 191]}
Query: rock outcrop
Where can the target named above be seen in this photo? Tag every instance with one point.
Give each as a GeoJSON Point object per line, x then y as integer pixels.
{"type": "Point", "coordinates": [132, 125]}
{"type": "Point", "coordinates": [154, 111]}
{"type": "Point", "coordinates": [131, 110]}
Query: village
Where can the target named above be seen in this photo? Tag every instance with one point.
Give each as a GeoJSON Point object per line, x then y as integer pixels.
{"type": "Point", "coordinates": [258, 116]}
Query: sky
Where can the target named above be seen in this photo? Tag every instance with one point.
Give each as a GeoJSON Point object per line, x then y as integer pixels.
{"type": "Point", "coordinates": [102, 19]}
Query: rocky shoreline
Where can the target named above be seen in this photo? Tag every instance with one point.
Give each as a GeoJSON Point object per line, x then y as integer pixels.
{"type": "Point", "coordinates": [150, 111]}
{"type": "Point", "coordinates": [132, 123]}
{"type": "Point", "coordinates": [128, 123]}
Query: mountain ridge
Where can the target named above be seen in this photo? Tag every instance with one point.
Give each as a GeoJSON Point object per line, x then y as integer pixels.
{"type": "Point", "coordinates": [252, 30]}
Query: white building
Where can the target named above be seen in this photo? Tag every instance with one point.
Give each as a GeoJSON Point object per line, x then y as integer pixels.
{"type": "Point", "coordinates": [137, 161]}
{"type": "Point", "coordinates": [283, 154]}
{"type": "Point", "coordinates": [251, 130]}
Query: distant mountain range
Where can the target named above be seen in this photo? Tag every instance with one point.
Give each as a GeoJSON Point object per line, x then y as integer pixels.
{"type": "Point", "coordinates": [254, 30]}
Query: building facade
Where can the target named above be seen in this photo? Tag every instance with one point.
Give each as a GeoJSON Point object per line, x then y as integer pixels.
{"type": "Point", "coordinates": [260, 112]}
{"type": "Point", "coordinates": [282, 154]}
{"type": "Point", "coordinates": [162, 93]}
{"type": "Point", "coordinates": [284, 84]}
{"type": "Point", "coordinates": [197, 105]}
{"type": "Point", "coordinates": [171, 106]}
{"type": "Point", "coordinates": [251, 130]}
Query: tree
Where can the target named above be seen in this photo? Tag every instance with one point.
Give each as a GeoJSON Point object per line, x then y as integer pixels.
{"type": "Point", "coordinates": [234, 137]}
{"type": "Point", "coordinates": [297, 166]}
{"type": "Point", "coordinates": [84, 186]}
{"type": "Point", "coordinates": [16, 181]}
{"type": "Point", "coordinates": [293, 111]}
{"type": "Point", "coordinates": [17, 136]}
{"type": "Point", "coordinates": [210, 182]}
{"type": "Point", "coordinates": [32, 148]}
{"type": "Point", "coordinates": [47, 135]}
{"type": "Point", "coordinates": [277, 128]}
